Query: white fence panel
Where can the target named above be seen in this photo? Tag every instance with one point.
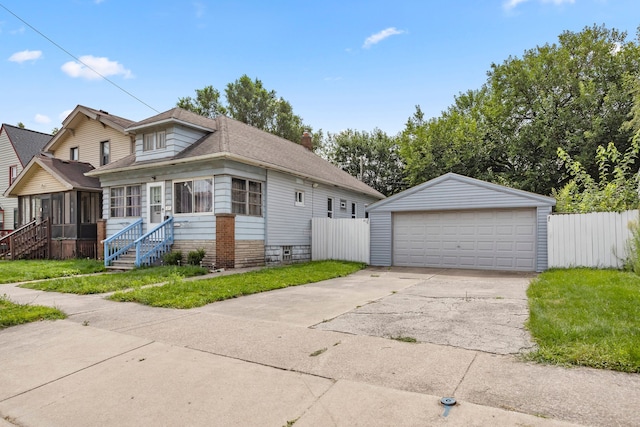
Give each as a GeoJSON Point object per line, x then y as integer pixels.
{"type": "Point", "coordinates": [589, 240]}
{"type": "Point", "coordinates": [343, 239]}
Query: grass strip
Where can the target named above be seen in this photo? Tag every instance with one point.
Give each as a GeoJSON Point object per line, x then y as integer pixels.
{"type": "Point", "coordinates": [12, 314]}
{"type": "Point", "coordinates": [25, 270]}
{"type": "Point", "coordinates": [586, 317]}
{"type": "Point", "coordinates": [196, 293]}
{"type": "Point", "coordinates": [116, 281]}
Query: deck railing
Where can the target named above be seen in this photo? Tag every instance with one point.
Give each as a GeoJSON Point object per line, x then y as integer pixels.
{"type": "Point", "coordinates": [153, 245]}
{"type": "Point", "coordinates": [121, 242]}
{"type": "Point", "coordinates": [32, 240]}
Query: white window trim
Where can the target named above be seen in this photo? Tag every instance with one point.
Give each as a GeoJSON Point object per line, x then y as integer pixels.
{"type": "Point", "coordinates": [173, 196]}
{"type": "Point", "coordinates": [153, 144]}
{"type": "Point", "coordinates": [354, 210]}
{"type": "Point", "coordinates": [330, 213]}
{"type": "Point", "coordinates": [299, 201]}
{"type": "Point", "coordinates": [124, 196]}
{"type": "Point", "coordinates": [262, 197]}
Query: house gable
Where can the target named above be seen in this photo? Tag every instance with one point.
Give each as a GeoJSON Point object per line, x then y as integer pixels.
{"type": "Point", "coordinates": [452, 191]}
{"type": "Point", "coordinates": [37, 180]}
{"type": "Point", "coordinates": [86, 134]}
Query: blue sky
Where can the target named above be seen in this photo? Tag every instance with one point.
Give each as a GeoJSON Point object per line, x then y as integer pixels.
{"type": "Point", "coordinates": [341, 64]}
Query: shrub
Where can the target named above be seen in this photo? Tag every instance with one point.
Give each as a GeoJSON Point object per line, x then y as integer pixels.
{"type": "Point", "coordinates": [172, 258]}
{"type": "Point", "coordinates": [195, 257]}
{"type": "Point", "coordinates": [632, 263]}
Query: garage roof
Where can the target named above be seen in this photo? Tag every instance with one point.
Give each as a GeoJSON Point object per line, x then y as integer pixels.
{"type": "Point", "coordinates": [452, 192]}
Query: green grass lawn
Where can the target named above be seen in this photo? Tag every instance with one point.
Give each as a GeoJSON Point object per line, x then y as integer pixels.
{"type": "Point", "coordinates": [12, 314]}
{"type": "Point", "coordinates": [196, 293]}
{"type": "Point", "coordinates": [586, 317]}
{"type": "Point", "coordinates": [116, 281]}
{"type": "Point", "coordinates": [25, 270]}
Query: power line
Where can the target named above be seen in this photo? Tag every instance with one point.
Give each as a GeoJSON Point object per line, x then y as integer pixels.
{"type": "Point", "coordinates": [78, 59]}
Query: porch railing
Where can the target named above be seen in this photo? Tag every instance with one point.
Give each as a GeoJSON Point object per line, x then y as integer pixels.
{"type": "Point", "coordinates": [154, 244]}
{"type": "Point", "coordinates": [29, 241]}
{"type": "Point", "coordinates": [121, 242]}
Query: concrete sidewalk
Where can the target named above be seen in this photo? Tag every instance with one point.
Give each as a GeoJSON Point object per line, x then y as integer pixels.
{"type": "Point", "coordinates": [255, 361]}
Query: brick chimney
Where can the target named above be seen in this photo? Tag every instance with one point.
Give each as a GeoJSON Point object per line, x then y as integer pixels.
{"type": "Point", "coordinates": [306, 141]}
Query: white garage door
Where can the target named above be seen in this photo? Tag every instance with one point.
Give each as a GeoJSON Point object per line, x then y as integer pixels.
{"type": "Point", "coordinates": [483, 239]}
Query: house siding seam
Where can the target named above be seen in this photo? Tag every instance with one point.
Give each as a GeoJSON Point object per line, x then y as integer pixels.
{"type": "Point", "coordinates": [381, 238]}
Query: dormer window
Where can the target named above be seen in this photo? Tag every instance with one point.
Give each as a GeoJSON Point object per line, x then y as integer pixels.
{"type": "Point", "coordinates": [154, 141]}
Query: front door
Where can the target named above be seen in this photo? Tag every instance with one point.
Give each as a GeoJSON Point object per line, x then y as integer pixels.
{"type": "Point", "coordinates": [155, 203]}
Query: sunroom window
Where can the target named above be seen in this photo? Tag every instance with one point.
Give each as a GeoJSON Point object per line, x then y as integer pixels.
{"type": "Point", "coordinates": [193, 196]}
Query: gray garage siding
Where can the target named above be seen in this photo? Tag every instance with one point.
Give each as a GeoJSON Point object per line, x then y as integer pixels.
{"type": "Point", "coordinates": [454, 192]}
{"type": "Point", "coordinates": [380, 231]}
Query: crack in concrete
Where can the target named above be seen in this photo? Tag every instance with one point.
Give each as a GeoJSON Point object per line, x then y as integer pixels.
{"type": "Point", "coordinates": [475, 355]}
{"type": "Point", "coordinates": [76, 371]}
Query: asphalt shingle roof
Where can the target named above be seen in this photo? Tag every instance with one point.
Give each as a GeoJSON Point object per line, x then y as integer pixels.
{"type": "Point", "coordinates": [233, 137]}
{"type": "Point", "coordinates": [72, 172]}
{"type": "Point", "coordinates": [27, 143]}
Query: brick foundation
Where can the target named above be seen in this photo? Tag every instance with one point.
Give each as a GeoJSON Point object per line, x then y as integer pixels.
{"type": "Point", "coordinates": [225, 240]}
{"type": "Point", "coordinates": [249, 253]}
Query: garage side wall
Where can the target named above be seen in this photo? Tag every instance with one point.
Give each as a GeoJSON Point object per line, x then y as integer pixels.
{"type": "Point", "coordinates": [542, 246]}
{"type": "Point", "coordinates": [381, 230]}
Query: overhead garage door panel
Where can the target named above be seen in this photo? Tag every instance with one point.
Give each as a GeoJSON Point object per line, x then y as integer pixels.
{"type": "Point", "coordinates": [485, 239]}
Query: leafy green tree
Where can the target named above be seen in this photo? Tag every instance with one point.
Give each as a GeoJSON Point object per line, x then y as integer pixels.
{"type": "Point", "coordinates": [454, 142]}
{"type": "Point", "coordinates": [249, 102]}
{"type": "Point", "coordinates": [206, 103]}
{"type": "Point", "coordinates": [574, 94]}
{"type": "Point", "coordinates": [371, 157]}
{"type": "Point", "coordinates": [20, 125]}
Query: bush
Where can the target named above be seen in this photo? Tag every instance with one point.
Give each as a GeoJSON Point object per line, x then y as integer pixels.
{"type": "Point", "coordinates": [172, 258]}
{"type": "Point", "coordinates": [195, 257]}
{"type": "Point", "coordinates": [632, 263]}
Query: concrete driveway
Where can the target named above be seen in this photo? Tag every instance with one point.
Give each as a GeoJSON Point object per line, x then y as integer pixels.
{"type": "Point", "coordinates": [475, 310]}
{"type": "Point", "coordinates": [264, 360]}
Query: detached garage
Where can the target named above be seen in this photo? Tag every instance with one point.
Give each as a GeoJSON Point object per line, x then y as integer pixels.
{"type": "Point", "coordinates": [459, 222]}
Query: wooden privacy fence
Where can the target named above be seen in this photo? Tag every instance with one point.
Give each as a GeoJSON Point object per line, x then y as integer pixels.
{"type": "Point", "coordinates": [343, 239]}
{"type": "Point", "coordinates": [589, 240]}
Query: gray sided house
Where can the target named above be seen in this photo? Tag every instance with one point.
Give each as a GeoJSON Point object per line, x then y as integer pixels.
{"type": "Point", "coordinates": [454, 221]}
{"type": "Point", "coordinates": [245, 196]}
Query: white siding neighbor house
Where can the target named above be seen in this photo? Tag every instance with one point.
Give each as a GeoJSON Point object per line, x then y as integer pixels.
{"type": "Point", "coordinates": [243, 195]}
{"type": "Point", "coordinates": [454, 221]}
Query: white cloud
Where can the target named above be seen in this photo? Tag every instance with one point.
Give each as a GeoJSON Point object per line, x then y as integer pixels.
{"type": "Point", "coordinates": [98, 1]}
{"type": "Point", "coordinates": [332, 79]}
{"type": "Point", "coordinates": [64, 115]}
{"type": "Point", "coordinates": [378, 37]}
{"type": "Point", "coordinates": [18, 31]}
{"type": "Point", "coordinates": [25, 55]}
{"type": "Point", "coordinates": [200, 9]}
{"type": "Point", "coordinates": [91, 65]}
{"type": "Point", "coordinates": [42, 119]}
{"type": "Point", "coordinates": [511, 4]}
